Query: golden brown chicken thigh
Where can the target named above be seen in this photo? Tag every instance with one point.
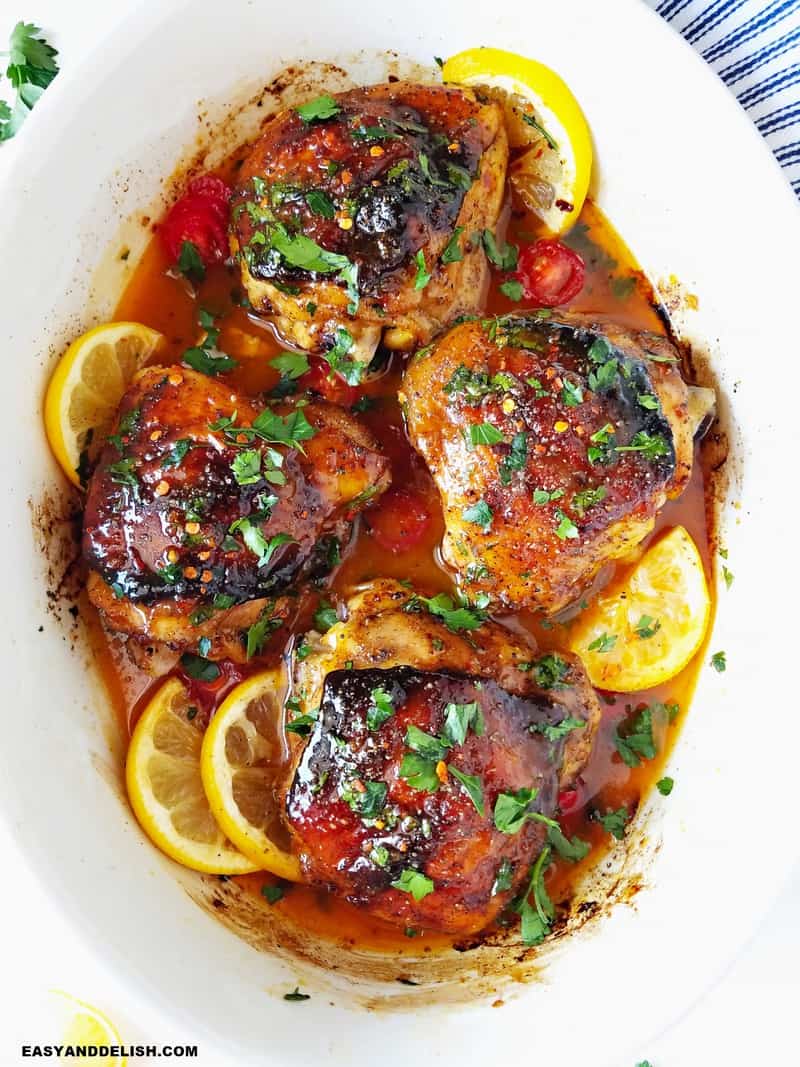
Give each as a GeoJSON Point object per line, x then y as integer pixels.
{"type": "Point", "coordinates": [424, 792]}
{"type": "Point", "coordinates": [204, 508]}
{"type": "Point", "coordinates": [358, 214]}
{"type": "Point", "coordinates": [553, 443]}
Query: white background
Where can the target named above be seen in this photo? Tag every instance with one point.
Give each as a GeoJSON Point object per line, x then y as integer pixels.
{"type": "Point", "coordinates": [750, 1018]}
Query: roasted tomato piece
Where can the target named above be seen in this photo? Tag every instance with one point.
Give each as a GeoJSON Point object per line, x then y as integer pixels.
{"type": "Point", "coordinates": [201, 217]}
{"type": "Point", "coordinates": [550, 273]}
{"type": "Point", "coordinates": [400, 520]}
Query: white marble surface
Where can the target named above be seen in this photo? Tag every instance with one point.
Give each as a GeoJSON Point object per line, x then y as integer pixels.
{"type": "Point", "coordinates": [747, 1019]}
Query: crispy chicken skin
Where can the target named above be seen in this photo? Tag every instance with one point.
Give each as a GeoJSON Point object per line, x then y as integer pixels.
{"type": "Point", "coordinates": [358, 821]}
{"type": "Point", "coordinates": [383, 184]}
{"type": "Point", "coordinates": [180, 519]}
{"type": "Point", "coordinates": [553, 443]}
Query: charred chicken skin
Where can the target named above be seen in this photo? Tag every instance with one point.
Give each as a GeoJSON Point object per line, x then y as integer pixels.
{"type": "Point", "coordinates": [423, 792]}
{"type": "Point", "coordinates": [203, 508]}
{"type": "Point", "coordinates": [553, 442]}
{"type": "Point", "coordinates": [358, 214]}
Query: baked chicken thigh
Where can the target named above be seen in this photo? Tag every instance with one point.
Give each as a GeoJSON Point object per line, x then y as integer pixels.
{"type": "Point", "coordinates": [553, 443]}
{"type": "Point", "coordinates": [356, 215]}
{"type": "Point", "coordinates": [423, 792]}
{"type": "Point", "coordinates": [204, 508]}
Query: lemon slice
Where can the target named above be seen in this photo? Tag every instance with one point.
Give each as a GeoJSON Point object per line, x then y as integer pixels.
{"type": "Point", "coordinates": [552, 175]}
{"type": "Point", "coordinates": [88, 384]}
{"type": "Point", "coordinates": [642, 631]}
{"type": "Point", "coordinates": [87, 1026]}
{"type": "Point", "coordinates": [166, 791]}
{"type": "Point", "coordinates": [243, 751]}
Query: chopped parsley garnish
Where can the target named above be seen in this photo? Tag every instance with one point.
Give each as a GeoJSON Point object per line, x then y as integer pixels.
{"type": "Point", "coordinates": [472, 786]}
{"type": "Point", "coordinates": [452, 250]}
{"type": "Point", "coordinates": [272, 893]}
{"type": "Point", "coordinates": [322, 107]}
{"type": "Point", "coordinates": [380, 710]}
{"type": "Point", "coordinates": [549, 671]}
{"type": "Point", "coordinates": [727, 577]}
{"type": "Point", "coordinates": [665, 785]}
{"type": "Point", "coordinates": [123, 472]}
{"type": "Point", "coordinates": [190, 264]}
{"type": "Point", "coordinates": [351, 370]}
{"type": "Point", "coordinates": [246, 467]}
{"type": "Point", "coordinates": [456, 616]}
{"type": "Point", "coordinates": [425, 167]}
{"type": "Point", "coordinates": [719, 662]}
{"type": "Point", "coordinates": [178, 453]}
{"type": "Point", "coordinates": [545, 496]}
{"type": "Point", "coordinates": [472, 386]}
{"type": "Point", "coordinates": [199, 668]}
{"type": "Point", "coordinates": [536, 918]}
{"type": "Point", "coordinates": [458, 719]}
{"type": "Point", "coordinates": [646, 627]}
{"type": "Point", "coordinates": [290, 364]}
{"type": "Point", "coordinates": [651, 446]}
{"type": "Point", "coordinates": [258, 544]}
{"type": "Point", "coordinates": [566, 527]}
{"type": "Point", "coordinates": [204, 357]}
{"type": "Point", "coordinates": [302, 725]}
{"type": "Point", "coordinates": [504, 258]}
{"type": "Point", "coordinates": [647, 401]}
{"type": "Point", "coordinates": [573, 850]}
{"type": "Point", "coordinates": [300, 251]}
{"type": "Point", "coordinates": [614, 822]}
{"type": "Point", "coordinates": [603, 643]}
{"type": "Point", "coordinates": [434, 748]}
{"type": "Point", "coordinates": [512, 811]}
{"type": "Point", "coordinates": [325, 616]}
{"type": "Point", "coordinates": [480, 514]}
{"type": "Point", "coordinates": [365, 798]}
{"type": "Point", "coordinates": [516, 459]}
{"type": "Point", "coordinates": [420, 772]}
{"type": "Point", "coordinates": [320, 203]}
{"type": "Point", "coordinates": [423, 275]}
{"type": "Point", "coordinates": [512, 289]}
{"type": "Point", "coordinates": [413, 882]}
{"type": "Point", "coordinates": [262, 628]}
{"type": "Point", "coordinates": [587, 498]}
{"type": "Point", "coordinates": [483, 433]}
{"type": "Point", "coordinates": [571, 394]}
{"type": "Point", "coordinates": [634, 740]}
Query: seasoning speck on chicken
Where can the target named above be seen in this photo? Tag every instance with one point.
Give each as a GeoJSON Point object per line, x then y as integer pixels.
{"type": "Point", "coordinates": [203, 508]}
{"type": "Point", "coordinates": [553, 443]}
{"type": "Point", "coordinates": [398, 798]}
{"type": "Point", "coordinates": [355, 216]}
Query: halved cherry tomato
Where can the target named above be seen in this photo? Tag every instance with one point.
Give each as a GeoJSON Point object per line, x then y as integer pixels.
{"type": "Point", "coordinates": [200, 216]}
{"type": "Point", "coordinates": [399, 520]}
{"type": "Point", "coordinates": [550, 273]}
{"type": "Point", "coordinates": [333, 387]}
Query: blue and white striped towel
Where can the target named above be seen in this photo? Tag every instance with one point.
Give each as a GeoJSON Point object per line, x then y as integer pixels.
{"type": "Point", "coordinates": [754, 46]}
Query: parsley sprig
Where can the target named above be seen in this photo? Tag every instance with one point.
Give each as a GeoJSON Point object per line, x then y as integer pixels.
{"type": "Point", "coordinates": [31, 68]}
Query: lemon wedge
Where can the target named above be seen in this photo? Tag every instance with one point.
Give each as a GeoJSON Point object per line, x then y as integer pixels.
{"type": "Point", "coordinates": [242, 749]}
{"type": "Point", "coordinates": [88, 384]}
{"type": "Point", "coordinates": [643, 631]}
{"type": "Point", "coordinates": [544, 120]}
{"type": "Point", "coordinates": [87, 1026]}
{"type": "Point", "coordinates": [166, 791]}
